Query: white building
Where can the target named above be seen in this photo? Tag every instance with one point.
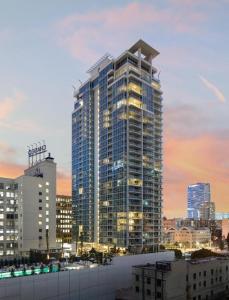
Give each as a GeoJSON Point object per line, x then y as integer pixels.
{"type": "Point", "coordinates": [179, 280]}
{"type": "Point", "coordinates": [28, 210]}
{"type": "Point", "coordinates": [99, 282]}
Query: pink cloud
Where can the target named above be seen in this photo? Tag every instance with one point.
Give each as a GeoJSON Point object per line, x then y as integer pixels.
{"type": "Point", "coordinates": [86, 35]}
{"type": "Point", "coordinates": [9, 104]}
{"type": "Point", "coordinates": [214, 89]}
{"type": "Point", "coordinates": [8, 107]}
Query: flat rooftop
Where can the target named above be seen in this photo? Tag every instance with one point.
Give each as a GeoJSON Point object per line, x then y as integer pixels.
{"type": "Point", "coordinates": [146, 49]}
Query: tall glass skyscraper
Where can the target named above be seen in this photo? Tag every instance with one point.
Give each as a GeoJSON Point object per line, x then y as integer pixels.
{"type": "Point", "coordinates": [117, 152]}
{"type": "Point", "coordinates": [198, 195]}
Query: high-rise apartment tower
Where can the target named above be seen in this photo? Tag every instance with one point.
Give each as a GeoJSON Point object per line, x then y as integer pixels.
{"type": "Point", "coordinates": [117, 152]}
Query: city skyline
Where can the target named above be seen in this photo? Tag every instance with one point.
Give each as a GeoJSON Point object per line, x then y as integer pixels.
{"type": "Point", "coordinates": [41, 61]}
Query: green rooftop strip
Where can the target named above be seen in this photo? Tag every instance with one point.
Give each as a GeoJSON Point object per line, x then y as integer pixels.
{"type": "Point", "coordinates": [5, 275]}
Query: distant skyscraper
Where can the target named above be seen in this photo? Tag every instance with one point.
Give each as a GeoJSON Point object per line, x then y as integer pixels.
{"type": "Point", "coordinates": [117, 151]}
{"type": "Point", "coordinates": [207, 210]}
{"type": "Point", "coordinates": [197, 194]}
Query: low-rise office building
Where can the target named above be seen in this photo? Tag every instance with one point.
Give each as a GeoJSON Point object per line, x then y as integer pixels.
{"type": "Point", "coordinates": [63, 219]}
{"type": "Point", "coordinates": [187, 236]}
{"type": "Point", "coordinates": [179, 280]}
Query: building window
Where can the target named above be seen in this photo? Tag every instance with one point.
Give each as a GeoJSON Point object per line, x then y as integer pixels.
{"type": "Point", "coordinates": [194, 286]}
{"type": "Point", "coordinates": [40, 230]}
{"type": "Point", "coordinates": [40, 208]}
{"type": "Point", "coordinates": [137, 277]}
{"type": "Point", "coordinates": [212, 271]}
{"type": "Point", "coordinates": [40, 200]}
{"type": "Point", "coordinates": [199, 297]}
{"type": "Point", "coordinates": [40, 237]}
{"type": "Point", "coordinates": [158, 282]}
{"type": "Point", "coordinates": [204, 283]}
{"type": "Point", "coordinates": [148, 292]}
{"type": "Point", "coordinates": [40, 193]}
{"type": "Point", "coordinates": [194, 275]}
{"type": "Point", "coordinates": [205, 273]}
{"type": "Point", "coordinates": [148, 280]}
{"type": "Point", "coordinates": [137, 289]}
{"type": "Point", "coordinates": [158, 295]}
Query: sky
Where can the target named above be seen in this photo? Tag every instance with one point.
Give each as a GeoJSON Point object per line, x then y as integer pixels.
{"type": "Point", "coordinates": [46, 47]}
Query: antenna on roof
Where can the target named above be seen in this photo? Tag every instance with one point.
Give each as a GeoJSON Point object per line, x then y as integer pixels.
{"type": "Point", "coordinates": [158, 75]}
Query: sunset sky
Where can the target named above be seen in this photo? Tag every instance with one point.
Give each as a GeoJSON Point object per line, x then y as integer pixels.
{"type": "Point", "coordinates": [47, 46]}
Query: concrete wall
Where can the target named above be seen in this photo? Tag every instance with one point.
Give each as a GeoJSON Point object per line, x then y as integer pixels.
{"type": "Point", "coordinates": [97, 283]}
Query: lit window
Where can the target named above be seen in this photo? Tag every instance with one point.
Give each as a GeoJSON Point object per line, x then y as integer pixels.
{"type": "Point", "coordinates": [47, 220]}
{"type": "Point", "coordinates": [47, 183]}
{"type": "Point", "coordinates": [40, 223]}
{"type": "Point", "coordinates": [40, 215]}
{"type": "Point", "coordinates": [47, 213]}
{"type": "Point", "coordinates": [47, 190]}
{"type": "Point", "coordinates": [47, 227]}
{"type": "Point", "coordinates": [135, 102]}
{"type": "Point", "coordinates": [40, 185]}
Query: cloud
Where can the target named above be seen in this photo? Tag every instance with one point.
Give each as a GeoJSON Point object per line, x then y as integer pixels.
{"type": "Point", "coordinates": [189, 160]}
{"type": "Point", "coordinates": [8, 107]}
{"type": "Point", "coordinates": [178, 119]}
{"type": "Point", "coordinates": [214, 89]}
{"type": "Point", "coordinates": [10, 170]}
{"type": "Point", "coordinates": [87, 35]}
{"type": "Point", "coordinates": [63, 183]}
{"type": "Point", "coordinates": [6, 151]}
{"type": "Point", "coordinates": [10, 104]}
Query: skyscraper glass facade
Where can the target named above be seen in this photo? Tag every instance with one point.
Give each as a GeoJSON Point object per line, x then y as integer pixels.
{"type": "Point", "coordinates": [117, 152]}
{"type": "Point", "coordinates": [198, 194]}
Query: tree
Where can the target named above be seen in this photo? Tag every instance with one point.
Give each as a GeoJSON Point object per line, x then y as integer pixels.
{"type": "Point", "coordinates": [203, 253]}
{"type": "Point", "coordinates": [221, 244]}
{"type": "Point", "coordinates": [12, 272]}
{"type": "Point", "coordinates": [50, 268]}
{"type": "Point", "coordinates": [33, 270]}
{"type": "Point", "coordinates": [162, 247]}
